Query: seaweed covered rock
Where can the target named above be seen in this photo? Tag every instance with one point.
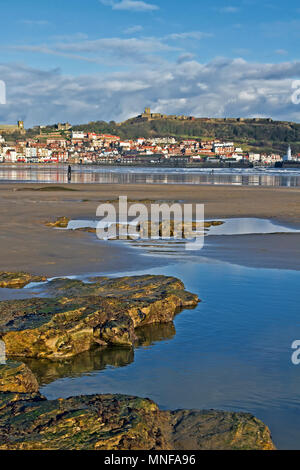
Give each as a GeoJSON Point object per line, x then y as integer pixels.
{"type": "Point", "coordinates": [18, 280]}
{"type": "Point", "coordinates": [49, 370]}
{"type": "Point", "coordinates": [61, 222]}
{"type": "Point", "coordinates": [81, 315]}
{"type": "Point", "coordinates": [81, 423]}
{"type": "Point", "coordinates": [147, 229]}
{"type": "Point", "coordinates": [118, 422]}
{"type": "Point", "coordinates": [17, 377]}
{"type": "Point", "coordinates": [218, 430]}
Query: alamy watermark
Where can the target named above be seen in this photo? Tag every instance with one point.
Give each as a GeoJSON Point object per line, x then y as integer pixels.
{"type": "Point", "coordinates": [296, 353]}
{"type": "Point", "coordinates": [2, 92]}
{"type": "Point", "coordinates": [296, 94]}
{"type": "Point", "coordinates": [138, 221]}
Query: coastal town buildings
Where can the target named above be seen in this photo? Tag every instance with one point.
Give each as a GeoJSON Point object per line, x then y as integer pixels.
{"type": "Point", "coordinates": [60, 144]}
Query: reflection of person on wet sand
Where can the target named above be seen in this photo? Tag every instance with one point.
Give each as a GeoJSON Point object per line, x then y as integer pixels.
{"type": "Point", "coordinates": [69, 173]}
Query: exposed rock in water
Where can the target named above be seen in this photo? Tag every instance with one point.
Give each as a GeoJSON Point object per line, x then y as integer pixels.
{"type": "Point", "coordinates": [175, 229]}
{"type": "Point", "coordinates": [61, 222]}
{"type": "Point", "coordinates": [118, 422]}
{"type": "Point", "coordinates": [86, 229]}
{"type": "Point", "coordinates": [17, 377]}
{"type": "Point", "coordinates": [18, 280]}
{"type": "Point", "coordinates": [171, 229]}
{"type": "Point", "coordinates": [146, 229]}
{"type": "Point", "coordinates": [81, 316]}
{"type": "Point", "coordinates": [49, 370]}
{"type": "Point", "coordinates": [218, 430]}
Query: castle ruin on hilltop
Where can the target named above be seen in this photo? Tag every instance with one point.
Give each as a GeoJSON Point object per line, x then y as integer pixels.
{"type": "Point", "coordinates": [148, 116]}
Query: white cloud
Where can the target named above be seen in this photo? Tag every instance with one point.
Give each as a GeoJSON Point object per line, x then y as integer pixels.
{"type": "Point", "coordinates": [219, 88]}
{"type": "Point", "coordinates": [281, 52]}
{"type": "Point", "coordinates": [130, 5]}
{"type": "Point", "coordinates": [185, 57]}
{"type": "Point", "coordinates": [134, 29]}
{"type": "Point", "coordinates": [126, 46]}
{"type": "Point", "coordinates": [133, 50]}
{"type": "Point", "coordinates": [188, 35]}
{"type": "Point", "coordinates": [35, 22]}
{"type": "Point", "coordinates": [229, 9]}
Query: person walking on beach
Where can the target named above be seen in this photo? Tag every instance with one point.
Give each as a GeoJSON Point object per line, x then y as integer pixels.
{"type": "Point", "coordinates": [69, 173]}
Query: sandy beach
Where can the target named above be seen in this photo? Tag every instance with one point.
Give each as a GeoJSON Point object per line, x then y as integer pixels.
{"type": "Point", "coordinates": [27, 244]}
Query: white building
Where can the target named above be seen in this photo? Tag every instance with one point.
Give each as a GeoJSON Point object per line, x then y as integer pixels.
{"type": "Point", "coordinates": [254, 157]}
{"type": "Point", "coordinates": [288, 157]}
{"type": "Point", "coordinates": [30, 152]}
{"type": "Point", "coordinates": [10, 154]}
{"type": "Point", "coordinates": [78, 135]}
{"type": "Point", "coordinates": [224, 147]}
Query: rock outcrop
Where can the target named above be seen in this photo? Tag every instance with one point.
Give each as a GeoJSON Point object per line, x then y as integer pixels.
{"type": "Point", "coordinates": [148, 229]}
{"type": "Point", "coordinates": [49, 370]}
{"type": "Point", "coordinates": [81, 316]}
{"type": "Point", "coordinates": [18, 280]}
{"type": "Point", "coordinates": [218, 430]}
{"type": "Point", "coordinates": [17, 377]}
{"type": "Point", "coordinates": [118, 422]}
{"type": "Point", "coordinates": [61, 222]}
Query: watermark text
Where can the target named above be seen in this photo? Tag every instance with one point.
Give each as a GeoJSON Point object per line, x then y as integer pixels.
{"type": "Point", "coordinates": [138, 221]}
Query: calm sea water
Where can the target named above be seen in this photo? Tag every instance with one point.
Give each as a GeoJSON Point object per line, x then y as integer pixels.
{"type": "Point", "coordinates": [129, 175]}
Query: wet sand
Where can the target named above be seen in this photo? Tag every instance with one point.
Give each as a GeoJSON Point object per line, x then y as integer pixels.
{"type": "Point", "coordinates": [27, 244]}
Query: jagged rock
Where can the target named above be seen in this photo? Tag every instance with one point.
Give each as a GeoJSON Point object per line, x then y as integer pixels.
{"type": "Point", "coordinates": [18, 280]}
{"type": "Point", "coordinates": [218, 430]}
{"type": "Point", "coordinates": [17, 377]}
{"type": "Point", "coordinates": [61, 222]}
{"type": "Point", "coordinates": [175, 229]}
{"type": "Point", "coordinates": [146, 229]}
{"type": "Point", "coordinates": [167, 229]}
{"type": "Point", "coordinates": [84, 315]}
{"type": "Point", "coordinates": [86, 229]}
{"type": "Point", "coordinates": [49, 370]}
{"type": "Point", "coordinates": [118, 422]}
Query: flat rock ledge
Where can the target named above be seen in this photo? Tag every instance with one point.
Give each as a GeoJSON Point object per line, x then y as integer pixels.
{"type": "Point", "coordinates": [18, 280]}
{"type": "Point", "coordinates": [61, 222]}
{"type": "Point", "coordinates": [17, 377]}
{"type": "Point", "coordinates": [171, 229]}
{"type": "Point", "coordinates": [79, 316]}
{"type": "Point", "coordinates": [118, 422]}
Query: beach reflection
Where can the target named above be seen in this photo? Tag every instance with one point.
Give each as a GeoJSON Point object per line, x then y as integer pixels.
{"type": "Point", "coordinates": [130, 175]}
{"type": "Point", "coordinates": [47, 371]}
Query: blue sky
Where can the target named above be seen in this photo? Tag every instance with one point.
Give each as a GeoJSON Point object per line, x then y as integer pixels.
{"type": "Point", "coordinates": [107, 59]}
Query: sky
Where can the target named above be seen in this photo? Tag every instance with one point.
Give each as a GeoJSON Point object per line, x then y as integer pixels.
{"type": "Point", "coordinates": [78, 61]}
